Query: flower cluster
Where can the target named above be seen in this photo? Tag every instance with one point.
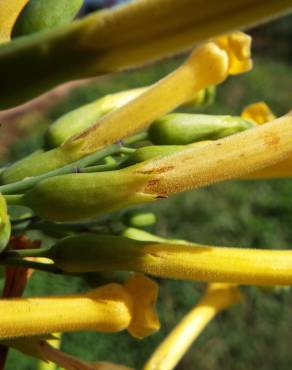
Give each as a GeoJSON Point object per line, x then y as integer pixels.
{"type": "Point", "coordinates": [122, 150]}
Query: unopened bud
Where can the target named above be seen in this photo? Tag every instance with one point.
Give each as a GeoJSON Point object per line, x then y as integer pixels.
{"type": "Point", "coordinates": [183, 128]}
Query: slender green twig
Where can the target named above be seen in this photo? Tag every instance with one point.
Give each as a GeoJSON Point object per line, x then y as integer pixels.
{"type": "Point", "coordinates": [125, 150]}
{"type": "Point", "coordinates": [20, 186]}
{"type": "Point", "coordinates": [16, 253]}
{"type": "Point", "coordinates": [101, 167]}
{"type": "Point", "coordinates": [48, 267]}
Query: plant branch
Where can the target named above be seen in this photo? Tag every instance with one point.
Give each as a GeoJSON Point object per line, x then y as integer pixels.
{"type": "Point", "coordinates": [75, 167]}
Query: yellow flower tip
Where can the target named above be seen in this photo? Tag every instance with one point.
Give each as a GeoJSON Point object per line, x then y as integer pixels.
{"type": "Point", "coordinates": [237, 45]}
{"type": "Point", "coordinates": [144, 292]}
{"type": "Point", "coordinates": [210, 65]}
{"type": "Point", "coordinates": [258, 113]}
{"type": "Point", "coordinates": [222, 295]}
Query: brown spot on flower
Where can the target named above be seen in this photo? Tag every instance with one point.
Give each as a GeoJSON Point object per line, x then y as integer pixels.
{"type": "Point", "coordinates": [157, 170]}
{"type": "Point", "coordinates": [153, 182]}
{"type": "Point", "coordinates": [271, 140]}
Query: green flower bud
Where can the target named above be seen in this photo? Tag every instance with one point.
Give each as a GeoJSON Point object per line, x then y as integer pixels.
{"type": "Point", "coordinates": [39, 15]}
{"type": "Point", "coordinates": [84, 195]}
{"type": "Point", "coordinates": [139, 219]}
{"type": "Point", "coordinates": [183, 128]}
{"type": "Point", "coordinates": [138, 234]}
{"type": "Point", "coordinates": [5, 227]}
{"type": "Point", "coordinates": [83, 117]}
{"type": "Point", "coordinates": [37, 163]}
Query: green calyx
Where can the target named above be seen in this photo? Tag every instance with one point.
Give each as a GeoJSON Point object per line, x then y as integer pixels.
{"type": "Point", "coordinates": [84, 195]}
{"type": "Point", "coordinates": [183, 128]}
{"type": "Point", "coordinates": [89, 253]}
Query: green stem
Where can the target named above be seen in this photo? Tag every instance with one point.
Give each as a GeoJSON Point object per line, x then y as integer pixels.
{"type": "Point", "coordinates": [36, 252]}
{"type": "Point", "coordinates": [136, 138]}
{"type": "Point", "coordinates": [125, 150]}
{"type": "Point", "coordinates": [30, 264]}
{"type": "Point", "coordinates": [20, 186]}
{"type": "Point", "coordinates": [101, 167]}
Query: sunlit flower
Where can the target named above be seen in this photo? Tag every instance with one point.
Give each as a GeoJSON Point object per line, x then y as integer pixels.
{"type": "Point", "coordinates": [110, 308]}
{"type": "Point", "coordinates": [218, 297]}
{"type": "Point", "coordinates": [258, 113]}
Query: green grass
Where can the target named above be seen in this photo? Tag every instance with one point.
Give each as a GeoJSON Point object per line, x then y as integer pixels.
{"type": "Point", "coordinates": [254, 335]}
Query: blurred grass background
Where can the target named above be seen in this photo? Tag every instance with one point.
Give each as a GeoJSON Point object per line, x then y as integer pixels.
{"type": "Point", "coordinates": [256, 334]}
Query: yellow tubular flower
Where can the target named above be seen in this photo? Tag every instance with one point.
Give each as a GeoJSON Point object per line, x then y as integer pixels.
{"type": "Point", "coordinates": [121, 38]}
{"type": "Point", "coordinates": [217, 297]}
{"type": "Point", "coordinates": [110, 308]}
{"type": "Point", "coordinates": [258, 113]}
{"type": "Point", "coordinates": [203, 263]}
{"type": "Point", "coordinates": [170, 260]}
{"type": "Point", "coordinates": [237, 45]}
{"type": "Point", "coordinates": [9, 11]}
{"type": "Point", "coordinates": [209, 64]}
{"type": "Point", "coordinates": [74, 122]}
{"type": "Point", "coordinates": [224, 159]}
{"type": "Point", "coordinates": [280, 170]}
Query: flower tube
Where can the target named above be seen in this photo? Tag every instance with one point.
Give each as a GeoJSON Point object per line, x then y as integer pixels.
{"type": "Point", "coordinates": [186, 261]}
{"type": "Point", "coordinates": [110, 308]}
{"type": "Point", "coordinates": [105, 42]}
{"type": "Point", "coordinates": [217, 297]}
{"type": "Point", "coordinates": [260, 113]}
{"type": "Point", "coordinates": [208, 64]}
